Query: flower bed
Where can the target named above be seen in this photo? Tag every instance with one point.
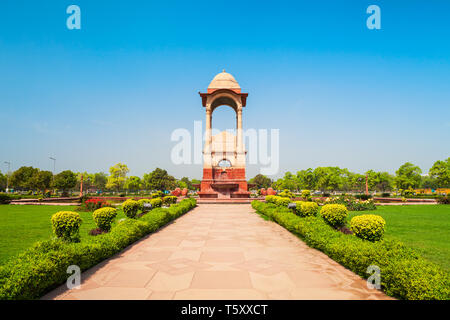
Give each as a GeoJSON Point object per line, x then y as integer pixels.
{"type": "Point", "coordinates": [43, 267]}
{"type": "Point", "coordinates": [94, 204]}
{"type": "Point", "coordinates": [352, 203]}
{"type": "Point", "coordinates": [404, 273]}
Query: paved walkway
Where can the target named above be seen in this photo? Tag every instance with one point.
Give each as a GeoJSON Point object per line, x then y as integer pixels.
{"type": "Point", "coordinates": [219, 252]}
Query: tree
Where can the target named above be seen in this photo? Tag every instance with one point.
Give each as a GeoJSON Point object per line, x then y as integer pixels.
{"type": "Point", "coordinates": [3, 180]}
{"type": "Point", "coordinates": [306, 179]}
{"type": "Point", "coordinates": [441, 172]}
{"type": "Point", "coordinates": [100, 180]}
{"type": "Point", "coordinates": [159, 179]}
{"type": "Point", "coordinates": [88, 180]}
{"type": "Point", "coordinates": [184, 183]}
{"type": "Point", "coordinates": [117, 176]}
{"type": "Point", "coordinates": [188, 183]}
{"type": "Point", "coordinates": [133, 183]}
{"type": "Point", "coordinates": [195, 182]}
{"type": "Point", "coordinates": [261, 181]}
{"type": "Point", "coordinates": [385, 182]}
{"type": "Point", "coordinates": [22, 178]}
{"type": "Point", "coordinates": [65, 181]}
{"type": "Point", "coordinates": [289, 181]}
{"type": "Point", "coordinates": [357, 182]}
{"type": "Point", "coordinates": [329, 178]}
{"type": "Point", "coordinates": [181, 184]}
{"type": "Point", "coordinates": [408, 176]}
{"type": "Point", "coordinates": [429, 183]}
{"type": "Point", "coordinates": [349, 181]}
{"type": "Point", "coordinates": [379, 181]}
{"type": "Point", "coordinates": [42, 180]}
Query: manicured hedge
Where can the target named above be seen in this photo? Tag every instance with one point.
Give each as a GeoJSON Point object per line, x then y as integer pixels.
{"type": "Point", "coordinates": [5, 198]}
{"type": "Point", "coordinates": [43, 267]}
{"type": "Point", "coordinates": [404, 273]}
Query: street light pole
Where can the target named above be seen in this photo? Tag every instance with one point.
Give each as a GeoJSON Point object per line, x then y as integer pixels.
{"type": "Point", "coordinates": [7, 175]}
{"type": "Point", "coordinates": [54, 164]}
{"type": "Point", "coordinates": [54, 169]}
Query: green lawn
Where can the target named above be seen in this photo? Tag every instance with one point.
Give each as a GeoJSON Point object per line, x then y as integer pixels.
{"type": "Point", "coordinates": [21, 226]}
{"type": "Point", "coordinates": [425, 228]}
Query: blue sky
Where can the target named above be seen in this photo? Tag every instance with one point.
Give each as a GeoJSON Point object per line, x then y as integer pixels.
{"type": "Point", "coordinates": [114, 91]}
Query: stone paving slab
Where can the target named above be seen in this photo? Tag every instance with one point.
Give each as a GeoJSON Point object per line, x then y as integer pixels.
{"type": "Point", "coordinates": [219, 252]}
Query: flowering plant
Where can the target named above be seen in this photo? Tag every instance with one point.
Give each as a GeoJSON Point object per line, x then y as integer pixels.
{"type": "Point", "coordinates": [94, 204]}
{"type": "Point", "coordinates": [352, 203]}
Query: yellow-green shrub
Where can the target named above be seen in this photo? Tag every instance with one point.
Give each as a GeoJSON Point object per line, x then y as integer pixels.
{"type": "Point", "coordinates": [306, 209]}
{"type": "Point", "coordinates": [368, 226]}
{"type": "Point", "coordinates": [130, 208]}
{"type": "Point", "coordinates": [104, 217]}
{"type": "Point", "coordinates": [271, 199]}
{"type": "Point", "coordinates": [306, 194]}
{"type": "Point", "coordinates": [157, 202]}
{"type": "Point", "coordinates": [282, 201]}
{"type": "Point", "coordinates": [157, 194]}
{"type": "Point", "coordinates": [286, 194]}
{"type": "Point", "coordinates": [167, 200]}
{"type": "Point", "coordinates": [334, 214]}
{"type": "Point", "coordinates": [141, 203]}
{"type": "Point", "coordinates": [66, 225]}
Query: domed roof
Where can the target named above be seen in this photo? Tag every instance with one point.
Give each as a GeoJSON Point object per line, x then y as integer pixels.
{"type": "Point", "coordinates": [224, 80]}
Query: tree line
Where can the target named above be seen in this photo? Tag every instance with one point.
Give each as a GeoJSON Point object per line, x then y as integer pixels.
{"type": "Point", "coordinates": [408, 176]}
{"type": "Point", "coordinates": [32, 179]}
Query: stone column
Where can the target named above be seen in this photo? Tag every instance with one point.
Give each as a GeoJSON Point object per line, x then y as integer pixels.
{"type": "Point", "coordinates": [208, 136]}
{"type": "Point", "coordinates": [240, 147]}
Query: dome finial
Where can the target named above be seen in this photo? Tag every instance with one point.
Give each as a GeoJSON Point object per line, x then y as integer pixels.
{"type": "Point", "coordinates": [223, 70]}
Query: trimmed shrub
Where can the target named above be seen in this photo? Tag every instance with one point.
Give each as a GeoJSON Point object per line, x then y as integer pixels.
{"type": "Point", "coordinates": [306, 209]}
{"type": "Point", "coordinates": [130, 208]}
{"type": "Point", "coordinates": [405, 274]}
{"type": "Point", "coordinates": [368, 227]}
{"type": "Point", "coordinates": [156, 202]}
{"type": "Point", "coordinates": [306, 194]}
{"type": "Point", "coordinates": [334, 214]}
{"type": "Point", "coordinates": [66, 225]}
{"type": "Point", "coordinates": [282, 201]}
{"type": "Point", "coordinates": [157, 194]}
{"type": "Point", "coordinates": [44, 266]}
{"type": "Point", "coordinates": [141, 203]}
{"type": "Point", "coordinates": [271, 199]}
{"type": "Point", "coordinates": [286, 194]}
{"type": "Point", "coordinates": [168, 200]}
{"type": "Point", "coordinates": [104, 217]}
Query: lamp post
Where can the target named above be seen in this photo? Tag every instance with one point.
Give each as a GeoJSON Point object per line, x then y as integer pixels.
{"type": "Point", "coordinates": [54, 164]}
{"type": "Point", "coordinates": [7, 175]}
{"type": "Point", "coordinates": [54, 169]}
